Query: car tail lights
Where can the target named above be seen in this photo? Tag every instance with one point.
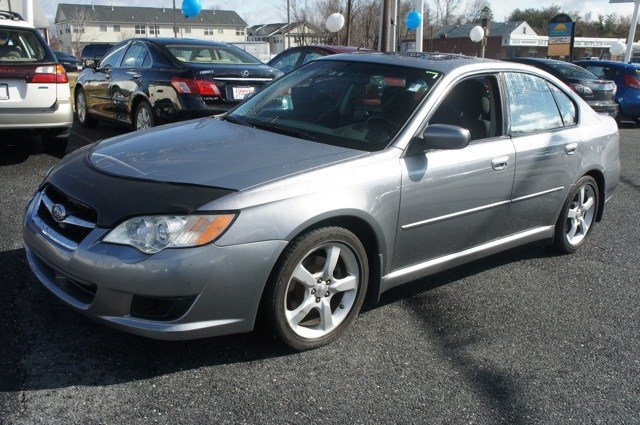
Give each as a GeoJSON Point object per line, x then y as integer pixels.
{"type": "Point", "coordinates": [50, 74]}
{"type": "Point", "coordinates": [631, 81]}
{"type": "Point", "coordinates": [581, 89]}
{"type": "Point", "coordinates": [196, 87]}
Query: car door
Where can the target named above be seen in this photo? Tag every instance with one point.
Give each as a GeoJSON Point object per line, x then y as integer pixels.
{"type": "Point", "coordinates": [547, 150]}
{"type": "Point", "coordinates": [128, 79]}
{"type": "Point", "coordinates": [96, 84]}
{"type": "Point", "coordinates": [452, 200]}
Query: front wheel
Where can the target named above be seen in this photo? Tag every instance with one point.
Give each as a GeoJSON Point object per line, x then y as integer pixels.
{"type": "Point", "coordinates": [318, 289]}
{"type": "Point", "coordinates": [578, 216]}
{"type": "Point", "coordinates": [82, 109]}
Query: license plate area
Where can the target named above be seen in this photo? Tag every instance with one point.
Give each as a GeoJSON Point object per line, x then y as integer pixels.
{"type": "Point", "coordinates": [242, 92]}
{"type": "Point", "coordinates": [4, 91]}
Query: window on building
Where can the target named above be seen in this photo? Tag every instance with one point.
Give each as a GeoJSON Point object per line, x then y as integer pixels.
{"type": "Point", "coordinates": [116, 28]}
{"type": "Point", "coordinates": [220, 30]}
{"type": "Point", "coordinates": [103, 28]}
{"type": "Point", "coordinates": [154, 30]}
{"type": "Point", "coordinates": [239, 30]}
{"type": "Point", "coordinates": [524, 30]}
{"type": "Point", "coordinates": [140, 29]}
{"type": "Point", "coordinates": [187, 30]}
{"type": "Point", "coordinates": [208, 31]}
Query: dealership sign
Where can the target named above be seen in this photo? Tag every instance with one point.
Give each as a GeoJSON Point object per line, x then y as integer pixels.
{"type": "Point", "coordinates": [561, 36]}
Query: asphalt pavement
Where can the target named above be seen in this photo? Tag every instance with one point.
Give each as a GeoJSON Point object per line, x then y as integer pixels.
{"type": "Point", "coordinates": [520, 337]}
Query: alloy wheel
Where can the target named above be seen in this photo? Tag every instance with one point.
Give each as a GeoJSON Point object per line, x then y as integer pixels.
{"type": "Point", "coordinates": [81, 106]}
{"type": "Point", "coordinates": [143, 119]}
{"type": "Point", "coordinates": [322, 290]}
{"type": "Point", "coordinates": [580, 214]}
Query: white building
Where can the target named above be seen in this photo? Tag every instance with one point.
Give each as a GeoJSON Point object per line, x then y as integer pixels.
{"type": "Point", "coordinates": [79, 24]}
{"type": "Point", "coordinates": [300, 34]}
{"type": "Point", "coordinates": [39, 18]}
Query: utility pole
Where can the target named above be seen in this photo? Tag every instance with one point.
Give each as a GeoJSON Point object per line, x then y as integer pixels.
{"type": "Point", "coordinates": [393, 36]}
{"type": "Point", "coordinates": [348, 41]}
{"type": "Point", "coordinates": [632, 32]}
{"type": "Point", "coordinates": [175, 25]}
{"type": "Point", "coordinates": [288, 24]}
{"type": "Point", "coordinates": [419, 33]}
{"type": "Point", "coordinates": [384, 41]}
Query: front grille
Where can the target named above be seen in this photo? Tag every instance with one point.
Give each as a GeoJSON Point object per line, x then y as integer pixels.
{"type": "Point", "coordinates": [161, 309]}
{"type": "Point", "coordinates": [76, 222]}
{"type": "Point", "coordinates": [82, 291]}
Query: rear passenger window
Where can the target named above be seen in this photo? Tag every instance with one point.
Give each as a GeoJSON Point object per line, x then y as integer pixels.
{"type": "Point", "coordinates": [566, 106]}
{"type": "Point", "coordinates": [532, 107]}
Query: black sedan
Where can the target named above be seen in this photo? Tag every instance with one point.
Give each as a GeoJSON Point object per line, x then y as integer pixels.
{"type": "Point", "coordinates": [150, 81]}
{"type": "Point", "coordinates": [598, 93]}
{"type": "Point", "coordinates": [68, 62]}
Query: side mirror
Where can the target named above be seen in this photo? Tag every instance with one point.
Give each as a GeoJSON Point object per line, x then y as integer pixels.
{"type": "Point", "coordinates": [90, 63]}
{"type": "Point", "coordinates": [443, 136]}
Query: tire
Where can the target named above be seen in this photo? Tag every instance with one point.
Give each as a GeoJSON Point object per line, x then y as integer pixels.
{"type": "Point", "coordinates": [53, 143]}
{"type": "Point", "coordinates": [82, 110]}
{"type": "Point", "coordinates": [314, 307]}
{"type": "Point", "coordinates": [143, 116]}
{"type": "Point", "coordinates": [578, 216]}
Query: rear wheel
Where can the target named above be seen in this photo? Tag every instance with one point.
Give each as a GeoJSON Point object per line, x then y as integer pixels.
{"type": "Point", "coordinates": [143, 116]}
{"type": "Point", "coordinates": [578, 216]}
{"type": "Point", "coordinates": [82, 110]}
{"type": "Point", "coordinates": [318, 289]}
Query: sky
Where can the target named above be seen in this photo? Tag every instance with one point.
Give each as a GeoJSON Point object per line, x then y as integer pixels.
{"type": "Point", "coordinates": [264, 11]}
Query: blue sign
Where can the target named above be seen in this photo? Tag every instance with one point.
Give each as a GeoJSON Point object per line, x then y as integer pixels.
{"type": "Point", "coordinates": [561, 29]}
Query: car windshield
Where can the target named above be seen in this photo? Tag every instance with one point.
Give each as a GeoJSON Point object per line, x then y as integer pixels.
{"type": "Point", "coordinates": [572, 71]}
{"type": "Point", "coordinates": [351, 104]}
{"type": "Point", "coordinates": [211, 54]}
{"type": "Point", "coordinates": [17, 45]}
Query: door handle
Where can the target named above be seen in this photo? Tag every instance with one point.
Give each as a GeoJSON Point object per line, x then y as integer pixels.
{"type": "Point", "coordinates": [571, 148]}
{"type": "Point", "coordinates": [500, 163]}
{"type": "Point", "coordinates": [136, 76]}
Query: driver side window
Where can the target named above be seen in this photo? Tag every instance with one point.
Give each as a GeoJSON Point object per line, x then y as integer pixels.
{"type": "Point", "coordinates": [474, 104]}
{"type": "Point", "coordinates": [112, 60]}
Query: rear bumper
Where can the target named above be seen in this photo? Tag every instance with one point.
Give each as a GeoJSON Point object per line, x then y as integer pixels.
{"type": "Point", "coordinates": [60, 115]}
{"type": "Point", "coordinates": [606, 108]}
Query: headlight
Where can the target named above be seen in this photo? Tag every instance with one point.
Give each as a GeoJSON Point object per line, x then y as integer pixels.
{"type": "Point", "coordinates": [152, 234]}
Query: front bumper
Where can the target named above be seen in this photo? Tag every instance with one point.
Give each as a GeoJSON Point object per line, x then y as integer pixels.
{"type": "Point", "coordinates": [60, 115]}
{"type": "Point", "coordinates": [223, 285]}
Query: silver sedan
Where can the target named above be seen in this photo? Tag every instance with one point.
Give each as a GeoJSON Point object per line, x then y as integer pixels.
{"type": "Point", "coordinates": [343, 179]}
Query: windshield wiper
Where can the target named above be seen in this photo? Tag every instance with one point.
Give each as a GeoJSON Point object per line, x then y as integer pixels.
{"type": "Point", "coordinates": [289, 131]}
{"type": "Point", "coordinates": [236, 120]}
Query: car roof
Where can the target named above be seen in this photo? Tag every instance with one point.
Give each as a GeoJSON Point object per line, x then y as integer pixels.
{"type": "Point", "coordinates": [614, 64]}
{"type": "Point", "coordinates": [163, 41]}
{"type": "Point", "coordinates": [442, 62]}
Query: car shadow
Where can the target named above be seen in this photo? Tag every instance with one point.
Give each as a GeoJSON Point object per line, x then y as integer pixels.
{"type": "Point", "coordinates": [47, 345]}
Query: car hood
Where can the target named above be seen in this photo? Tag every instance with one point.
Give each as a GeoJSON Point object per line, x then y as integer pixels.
{"type": "Point", "coordinates": [212, 152]}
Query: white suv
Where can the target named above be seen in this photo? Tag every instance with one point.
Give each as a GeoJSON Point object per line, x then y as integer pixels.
{"type": "Point", "coordinates": [34, 87]}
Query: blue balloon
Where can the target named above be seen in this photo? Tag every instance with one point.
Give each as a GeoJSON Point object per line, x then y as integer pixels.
{"type": "Point", "coordinates": [191, 8]}
{"type": "Point", "coordinates": [414, 20]}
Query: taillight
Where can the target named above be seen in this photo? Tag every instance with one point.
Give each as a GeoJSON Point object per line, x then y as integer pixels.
{"type": "Point", "coordinates": [631, 81]}
{"type": "Point", "coordinates": [196, 87]}
{"type": "Point", "coordinates": [51, 74]}
{"type": "Point", "coordinates": [581, 89]}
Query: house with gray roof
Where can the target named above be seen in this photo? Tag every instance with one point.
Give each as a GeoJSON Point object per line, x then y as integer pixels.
{"type": "Point", "coordinates": [79, 24]}
{"type": "Point", "coordinates": [281, 35]}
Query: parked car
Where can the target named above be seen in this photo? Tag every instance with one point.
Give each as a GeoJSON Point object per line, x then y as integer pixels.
{"type": "Point", "coordinates": [95, 51]}
{"type": "Point", "coordinates": [377, 170]}
{"type": "Point", "coordinates": [295, 57]}
{"type": "Point", "coordinates": [69, 62]}
{"type": "Point", "coordinates": [34, 87]}
{"type": "Point", "coordinates": [627, 79]}
{"type": "Point", "coordinates": [147, 81]}
{"type": "Point", "coordinates": [598, 93]}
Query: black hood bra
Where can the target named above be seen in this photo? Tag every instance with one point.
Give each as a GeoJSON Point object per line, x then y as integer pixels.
{"type": "Point", "coordinates": [116, 198]}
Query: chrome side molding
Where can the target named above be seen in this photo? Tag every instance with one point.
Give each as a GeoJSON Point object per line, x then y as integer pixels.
{"type": "Point", "coordinates": [407, 274]}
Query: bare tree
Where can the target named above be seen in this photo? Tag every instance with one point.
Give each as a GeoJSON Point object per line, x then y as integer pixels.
{"type": "Point", "coordinates": [73, 31]}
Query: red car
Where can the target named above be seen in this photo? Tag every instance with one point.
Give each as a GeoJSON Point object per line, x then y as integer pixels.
{"type": "Point", "coordinates": [294, 57]}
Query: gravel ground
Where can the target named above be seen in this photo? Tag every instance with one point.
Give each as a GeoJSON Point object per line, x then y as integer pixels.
{"type": "Point", "coordinates": [519, 337]}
